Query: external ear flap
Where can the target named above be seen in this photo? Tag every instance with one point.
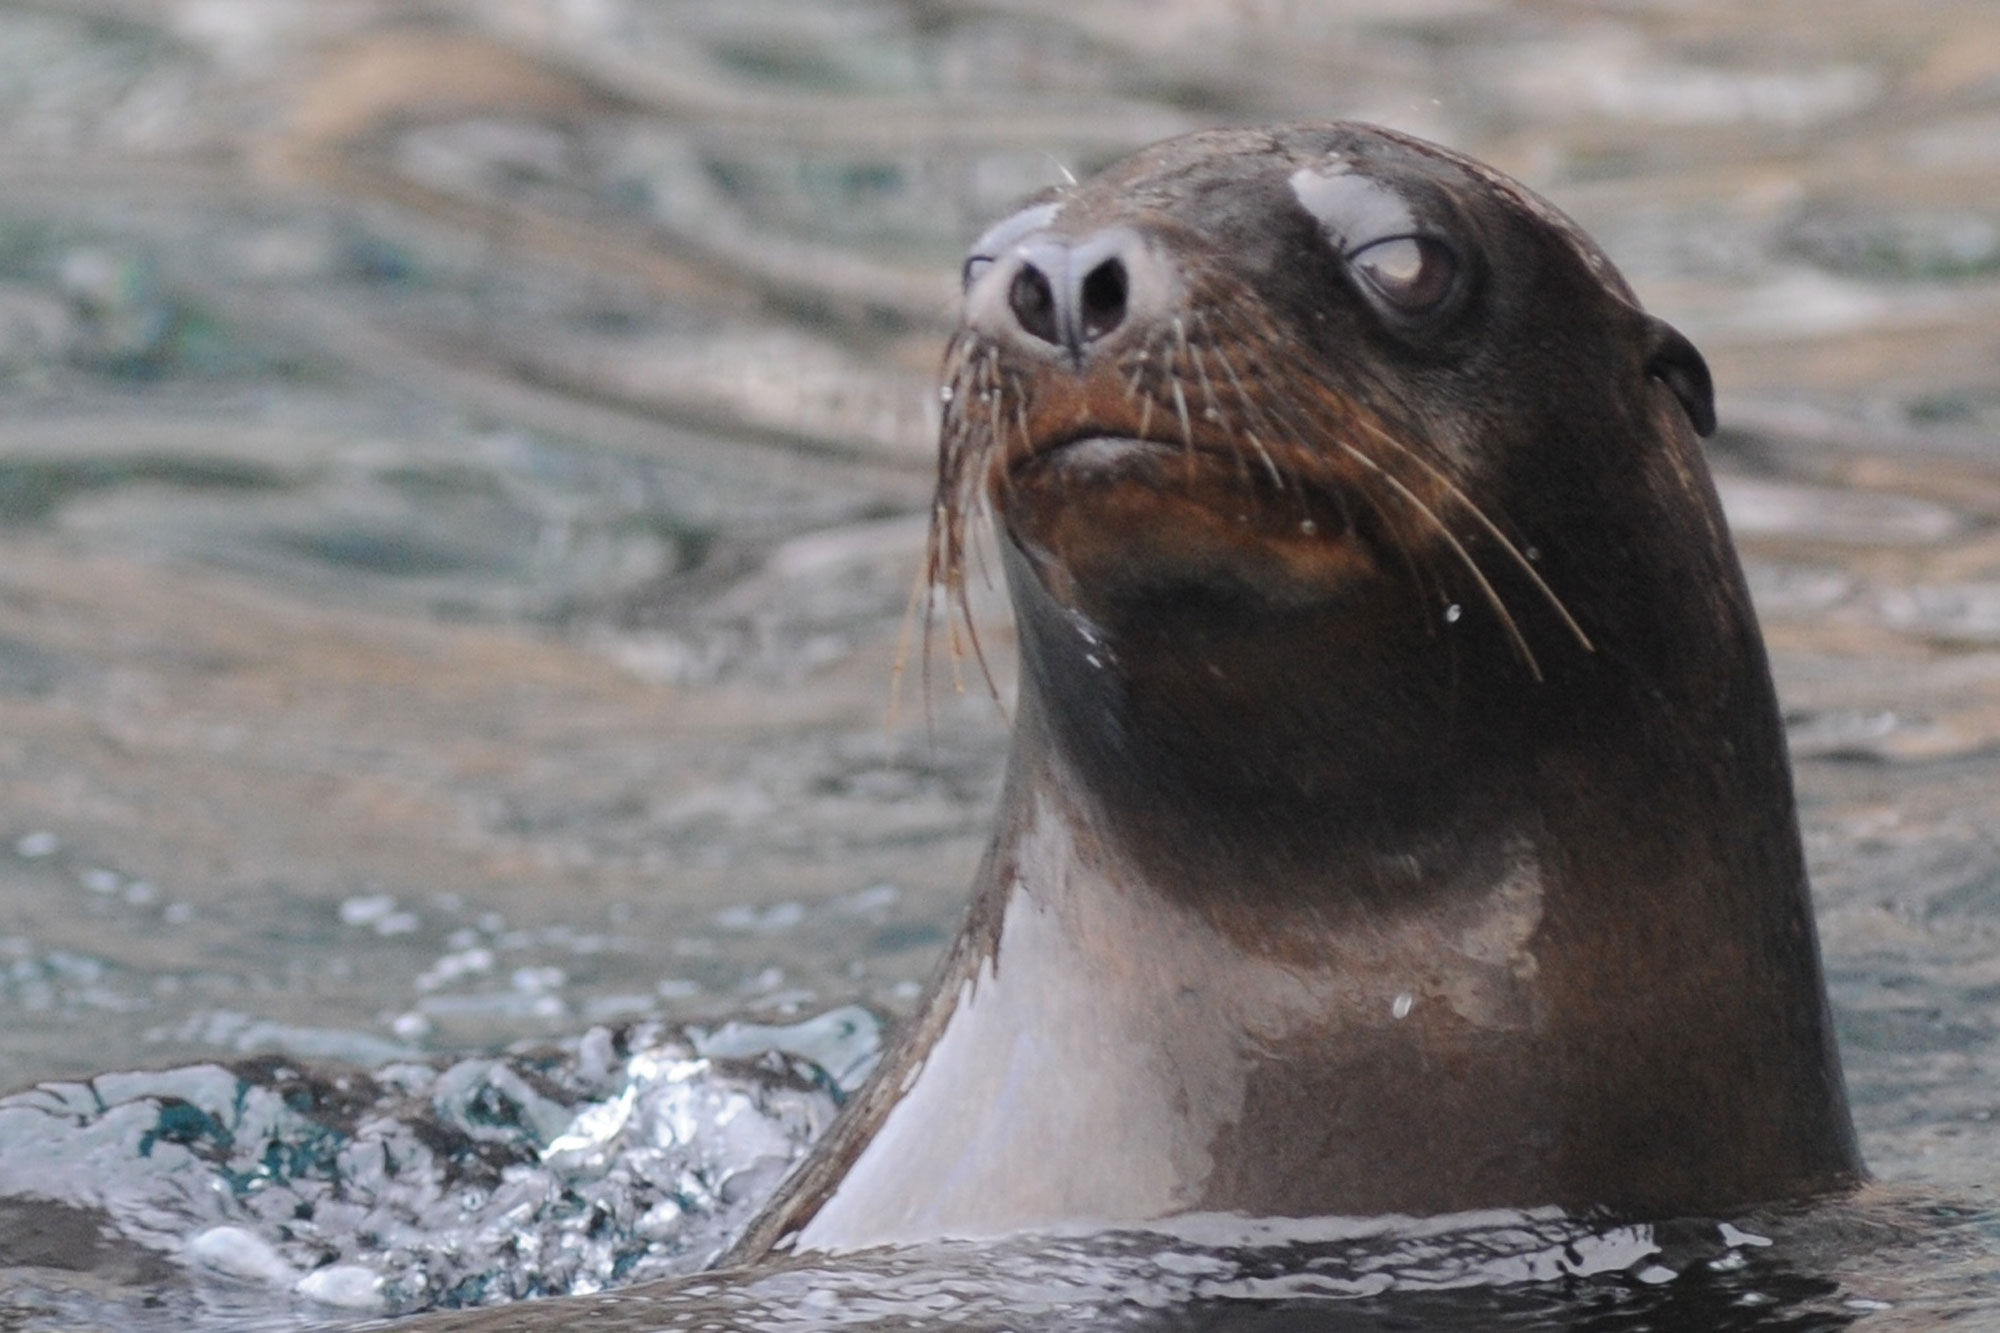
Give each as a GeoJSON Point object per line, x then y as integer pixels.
{"type": "Point", "coordinates": [1672, 360]}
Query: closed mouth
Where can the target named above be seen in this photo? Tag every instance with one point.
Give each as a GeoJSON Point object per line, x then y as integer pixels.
{"type": "Point", "coordinates": [1232, 481]}
{"type": "Point", "coordinates": [1090, 452]}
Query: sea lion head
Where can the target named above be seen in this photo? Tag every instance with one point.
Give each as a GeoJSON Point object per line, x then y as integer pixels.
{"type": "Point", "coordinates": [1305, 444]}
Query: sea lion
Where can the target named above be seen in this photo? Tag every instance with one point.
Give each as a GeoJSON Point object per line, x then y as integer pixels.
{"type": "Point", "coordinates": [1398, 816]}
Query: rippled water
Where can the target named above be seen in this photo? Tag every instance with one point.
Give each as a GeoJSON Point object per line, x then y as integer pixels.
{"type": "Point", "coordinates": [461, 475]}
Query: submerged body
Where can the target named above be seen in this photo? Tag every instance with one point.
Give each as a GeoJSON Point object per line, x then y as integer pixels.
{"type": "Point", "coordinates": [1397, 818]}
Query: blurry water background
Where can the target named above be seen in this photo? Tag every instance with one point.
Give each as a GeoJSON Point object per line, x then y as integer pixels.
{"type": "Point", "coordinates": [463, 464]}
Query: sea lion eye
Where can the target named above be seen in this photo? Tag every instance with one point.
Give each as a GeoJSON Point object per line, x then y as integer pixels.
{"type": "Point", "coordinates": [1412, 274]}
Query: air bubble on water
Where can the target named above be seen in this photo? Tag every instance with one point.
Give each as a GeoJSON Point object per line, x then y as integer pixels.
{"type": "Point", "coordinates": [869, 901]}
{"type": "Point", "coordinates": [366, 909]}
{"type": "Point", "coordinates": [843, 1042]}
{"type": "Point", "coordinates": [346, 1286]}
{"type": "Point", "coordinates": [764, 920]}
{"type": "Point", "coordinates": [628, 1156]}
{"type": "Point", "coordinates": [463, 962]}
{"type": "Point", "coordinates": [538, 980]}
{"type": "Point", "coordinates": [239, 1252]}
{"type": "Point", "coordinates": [35, 846]}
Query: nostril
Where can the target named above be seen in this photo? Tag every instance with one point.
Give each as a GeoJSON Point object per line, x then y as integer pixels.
{"type": "Point", "coordinates": [1033, 301]}
{"type": "Point", "coordinates": [1103, 299]}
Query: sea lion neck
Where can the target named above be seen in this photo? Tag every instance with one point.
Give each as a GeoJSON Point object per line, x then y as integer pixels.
{"type": "Point", "coordinates": [1314, 755]}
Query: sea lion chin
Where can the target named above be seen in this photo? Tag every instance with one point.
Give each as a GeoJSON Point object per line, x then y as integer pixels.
{"type": "Point", "coordinates": [1398, 817]}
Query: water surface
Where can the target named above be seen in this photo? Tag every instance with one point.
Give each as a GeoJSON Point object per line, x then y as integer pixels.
{"type": "Point", "coordinates": [461, 478]}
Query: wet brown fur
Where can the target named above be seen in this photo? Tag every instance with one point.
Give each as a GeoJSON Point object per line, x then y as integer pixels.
{"type": "Point", "coordinates": [1533, 634]}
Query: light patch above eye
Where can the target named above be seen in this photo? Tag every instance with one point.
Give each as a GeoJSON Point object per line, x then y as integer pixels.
{"type": "Point", "coordinates": [1353, 210]}
{"type": "Point", "coordinates": [1404, 269]}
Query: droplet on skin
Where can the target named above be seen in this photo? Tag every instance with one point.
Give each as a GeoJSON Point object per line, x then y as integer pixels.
{"type": "Point", "coordinates": [1400, 1007]}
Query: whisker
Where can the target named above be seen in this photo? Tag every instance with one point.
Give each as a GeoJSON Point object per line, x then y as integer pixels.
{"type": "Point", "coordinates": [1212, 408]}
{"type": "Point", "coordinates": [1488, 591]}
{"type": "Point", "coordinates": [920, 588]}
{"type": "Point", "coordinates": [1479, 516]}
{"type": "Point", "coordinates": [1180, 398]}
{"type": "Point", "coordinates": [1138, 374]}
{"type": "Point", "coordinates": [1243, 396]}
{"type": "Point", "coordinates": [1486, 588]}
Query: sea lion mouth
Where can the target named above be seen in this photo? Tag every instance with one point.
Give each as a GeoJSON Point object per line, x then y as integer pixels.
{"type": "Point", "coordinates": [1227, 479]}
{"type": "Point", "coordinates": [1092, 452]}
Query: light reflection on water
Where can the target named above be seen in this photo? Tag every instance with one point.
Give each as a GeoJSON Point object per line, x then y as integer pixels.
{"type": "Point", "coordinates": [459, 485]}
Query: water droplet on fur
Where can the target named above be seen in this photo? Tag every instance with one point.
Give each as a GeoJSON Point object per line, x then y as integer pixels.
{"type": "Point", "coordinates": [944, 393]}
{"type": "Point", "coordinates": [1401, 1005]}
{"type": "Point", "coordinates": [1308, 527]}
{"type": "Point", "coordinates": [1452, 613]}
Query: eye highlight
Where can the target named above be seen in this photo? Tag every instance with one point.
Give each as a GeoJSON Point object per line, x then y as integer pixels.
{"type": "Point", "coordinates": [1413, 275]}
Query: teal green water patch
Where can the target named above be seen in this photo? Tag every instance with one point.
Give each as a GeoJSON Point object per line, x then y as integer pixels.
{"type": "Point", "coordinates": [1917, 245]}
{"type": "Point", "coordinates": [33, 489]}
{"type": "Point", "coordinates": [395, 554]}
{"type": "Point", "coordinates": [442, 483]}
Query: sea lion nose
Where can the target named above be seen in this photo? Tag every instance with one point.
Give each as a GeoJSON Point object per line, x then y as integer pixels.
{"type": "Point", "coordinates": [1071, 292]}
